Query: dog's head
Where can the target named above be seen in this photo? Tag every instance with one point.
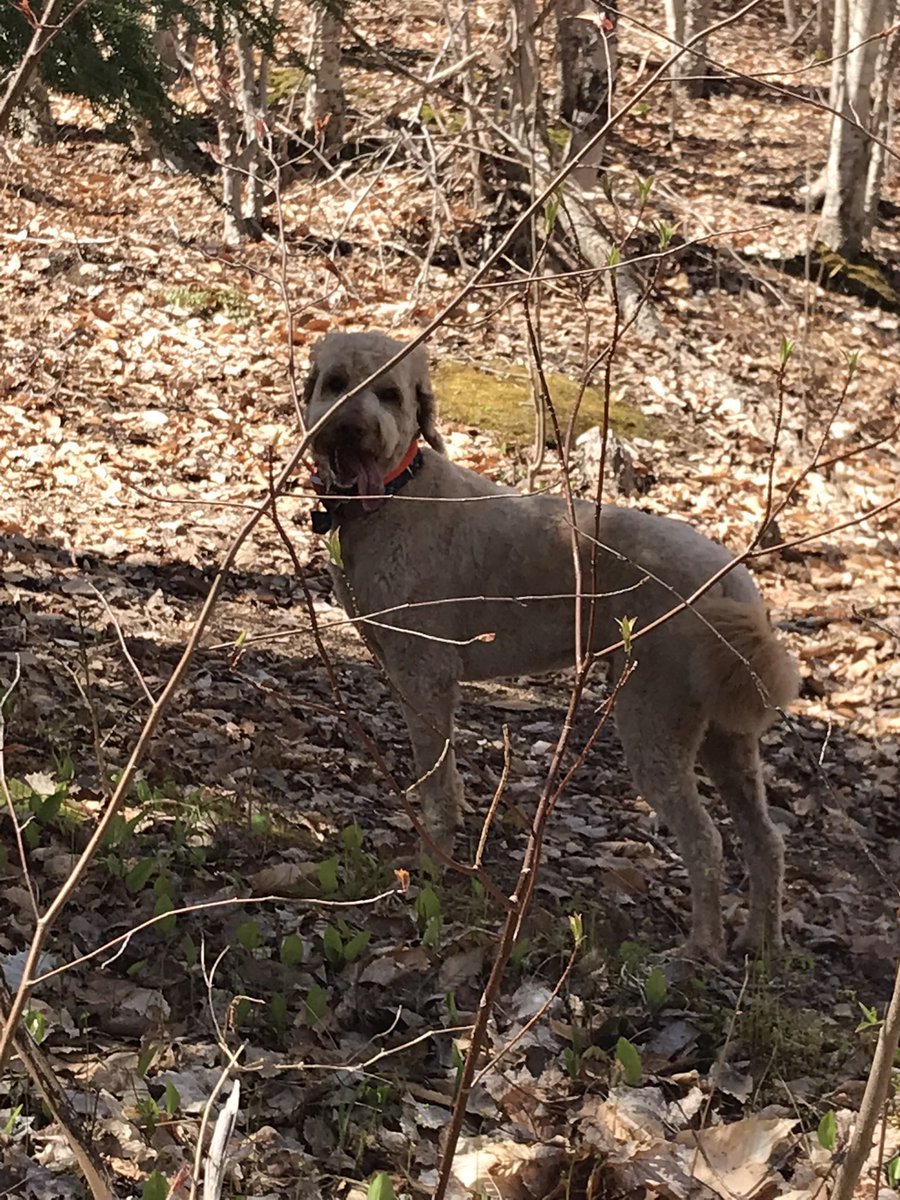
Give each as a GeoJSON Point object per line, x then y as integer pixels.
{"type": "Point", "coordinates": [368, 436]}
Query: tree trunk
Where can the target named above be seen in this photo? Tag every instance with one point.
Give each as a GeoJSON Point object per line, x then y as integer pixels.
{"type": "Point", "coordinates": [325, 111]}
{"type": "Point", "coordinates": [33, 120]}
{"type": "Point", "coordinates": [685, 19]}
{"type": "Point", "coordinates": [823, 26]}
{"type": "Point", "coordinates": [20, 78]}
{"type": "Point", "coordinates": [524, 100]}
{"type": "Point", "coordinates": [252, 105]}
{"type": "Point", "coordinates": [845, 222]}
{"type": "Point", "coordinates": [588, 60]}
{"type": "Point", "coordinates": [883, 114]}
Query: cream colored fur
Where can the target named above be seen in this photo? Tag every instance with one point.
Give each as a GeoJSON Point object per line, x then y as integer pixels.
{"type": "Point", "coordinates": [486, 575]}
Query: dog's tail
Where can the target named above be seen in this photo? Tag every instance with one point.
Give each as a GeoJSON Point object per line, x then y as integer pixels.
{"type": "Point", "coordinates": [739, 666]}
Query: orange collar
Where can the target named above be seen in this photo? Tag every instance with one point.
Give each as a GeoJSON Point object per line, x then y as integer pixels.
{"type": "Point", "coordinates": [405, 463]}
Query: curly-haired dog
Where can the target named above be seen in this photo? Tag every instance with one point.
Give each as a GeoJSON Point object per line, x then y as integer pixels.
{"type": "Point", "coordinates": [434, 556]}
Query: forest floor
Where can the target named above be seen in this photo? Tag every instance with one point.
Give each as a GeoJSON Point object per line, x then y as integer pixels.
{"type": "Point", "coordinates": [144, 399]}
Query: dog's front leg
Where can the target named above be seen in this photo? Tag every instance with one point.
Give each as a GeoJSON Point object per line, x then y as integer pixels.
{"type": "Point", "coordinates": [429, 689]}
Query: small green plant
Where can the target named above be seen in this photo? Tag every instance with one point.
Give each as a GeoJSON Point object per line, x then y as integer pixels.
{"type": "Point", "coordinates": [316, 1006]}
{"type": "Point", "coordinates": [41, 803]}
{"type": "Point", "coordinates": [656, 990]}
{"type": "Point", "coordinates": [664, 233]}
{"type": "Point", "coordinates": [156, 1187]}
{"type": "Point", "coordinates": [248, 935]}
{"type": "Point", "coordinates": [9, 1124]}
{"type": "Point", "coordinates": [629, 1059]}
{"type": "Point", "coordinates": [579, 1051]}
{"type": "Point", "coordinates": [429, 917]}
{"type": "Point", "coordinates": [36, 1024]}
{"type": "Point", "coordinates": [827, 1131]}
{"type": "Point", "coordinates": [892, 1172]}
{"type": "Point", "coordinates": [380, 1187]}
{"type": "Point", "coordinates": [205, 302]}
{"type": "Point", "coordinates": [342, 944]}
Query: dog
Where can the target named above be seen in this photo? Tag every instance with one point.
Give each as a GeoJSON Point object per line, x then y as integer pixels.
{"type": "Point", "coordinates": [453, 577]}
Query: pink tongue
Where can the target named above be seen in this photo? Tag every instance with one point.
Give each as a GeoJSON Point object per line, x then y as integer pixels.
{"type": "Point", "coordinates": [365, 475]}
{"type": "Point", "coordinates": [369, 483]}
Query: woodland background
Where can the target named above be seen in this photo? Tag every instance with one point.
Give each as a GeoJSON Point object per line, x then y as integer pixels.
{"type": "Point", "coordinates": [154, 327]}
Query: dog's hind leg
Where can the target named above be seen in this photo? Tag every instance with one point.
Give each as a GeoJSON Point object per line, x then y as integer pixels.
{"type": "Point", "coordinates": [732, 762]}
{"type": "Point", "coordinates": [661, 744]}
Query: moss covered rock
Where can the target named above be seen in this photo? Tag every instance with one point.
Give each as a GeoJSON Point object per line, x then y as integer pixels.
{"type": "Point", "coordinates": [497, 400]}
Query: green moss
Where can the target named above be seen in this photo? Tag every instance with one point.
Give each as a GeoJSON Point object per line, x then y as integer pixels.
{"type": "Point", "coordinates": [498, 401]}
{"type": "Point", "coordinates": [203, 302]}
{"type": "Point", "coordinates": [283, 81]}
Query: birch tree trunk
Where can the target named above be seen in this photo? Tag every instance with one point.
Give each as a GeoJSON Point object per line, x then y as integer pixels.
{"type": "Point", "coordinates": [524, 101]}
{"type": "Point", "coordinates": [846, 219]}
{"type": "Point", "coordinates": [588, 61]}
{"type": "Point", "coordinates": [33, 120]}
{"type": "Point", "coordinates": [883, 114]}
{"type": "Point", "coordinates": [325, 110]}
{"type": "Point", "coordinates": [685, 19]}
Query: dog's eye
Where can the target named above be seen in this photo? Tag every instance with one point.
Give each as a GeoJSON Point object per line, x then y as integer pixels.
{"type": "Point", "coordinates": [335, 383]}
{"type": "Point", "coordinates": [390, 394]}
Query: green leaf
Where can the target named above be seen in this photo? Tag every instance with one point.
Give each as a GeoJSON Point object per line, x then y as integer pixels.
{"type": "Point", "coordinates": [576, 924]}
{"type": "Point", "coordinates": [327, 873]}
{"type": "Point", "coordinates": [380, 1187]}
{"type": "Point", "coordinates": [116, 832]}
{"type": "Point", "coordinates": [333, 548]}
{"type": "Point", "coordinates": [260, 823]}
{"type": "Point", "coordinates": [333, 945]}
{"type": "Point", "coordinates": [355, 946]}
{"type": "Point", "coordinates": [892, 1172]}
{"type": "Point", "coordinates": [352, 837]}
{"type": "Point", "coordinates": [171, 1100]}
{"type": "Point", "coordinates": [431, 934]}
{"type": "Point", "coordinates": [786, 350]}
{"type": "Point", "coordinates": [655, 990]}
{"type": "Point", "coordinates": [139, 875]}
{"type": "Point", "coordinates": [19, 791]}
{"type": "Point", "coordinates": [316, 1004]}
{"type": "Point", "coordinates": [156, 1187]}
{"type": "Point", "coordinates": [519, 952]}
{"type": "Point", "coordinates": [428, 907]}
{"type": "Point", "coordinates": [630, 1061]}
{"type": "Point", "coordinates": [15, 1113]}
{"type": "Point", "coordinates": [626, 631]}
{"type": "Point", "coordinates": [36, 1024]}
{"type": "Point", "coordinates": [278, 1010]}
{"type": "Point", "coordinates": [248, 935]}
{"type": "Point", "coordinates": [827, 1131]}
{"type": "Point", "coordinates": [145, 1058]}
{"type": "Point", "coordinates": [292, 950]}
{"type": "Point", "coordinates": [164, 905]}
{"type": "Point", "coordinates": [189, 950]}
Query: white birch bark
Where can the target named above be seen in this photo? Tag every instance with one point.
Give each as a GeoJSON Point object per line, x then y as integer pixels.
{"type": "Point", "coordinates": [845, 223]}
{"type": "Point", "coordinates": [325, 110]}
{"type": "Point", "coordinates": [588, 62]}
{"type": "Point", "coordinates": [524, 78]}
{"type": "Point", "coordinates": [685, 19]}
{"type": "Point", "coordinates": [883, 115]}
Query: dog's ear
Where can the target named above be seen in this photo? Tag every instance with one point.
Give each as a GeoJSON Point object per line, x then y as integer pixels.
{"type": "Point", "coordinates": [309, 384]}
{"type": "Point", "coordinates": [427, 406]}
